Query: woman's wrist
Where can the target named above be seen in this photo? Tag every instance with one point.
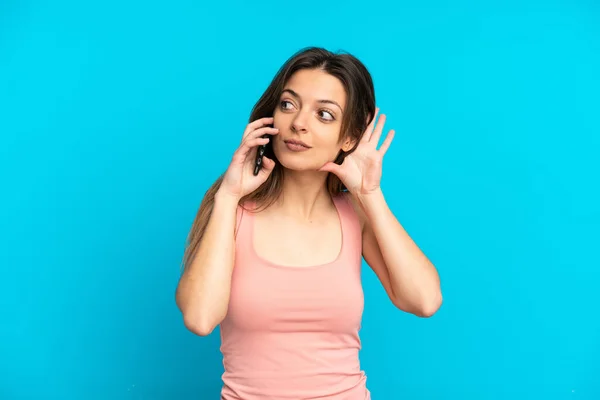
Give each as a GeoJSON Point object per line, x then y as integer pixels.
{"type": "Point", "coordinates": [226, 198]}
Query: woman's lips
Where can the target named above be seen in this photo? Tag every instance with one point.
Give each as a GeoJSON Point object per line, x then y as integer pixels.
{"type": "Point", "coordinates": [295, 145]}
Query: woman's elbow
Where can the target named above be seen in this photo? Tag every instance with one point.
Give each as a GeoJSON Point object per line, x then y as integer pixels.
{"type": "Point", "coordinates": [198, 326]}
{"type": "Point", "coordinates": [431, 305]}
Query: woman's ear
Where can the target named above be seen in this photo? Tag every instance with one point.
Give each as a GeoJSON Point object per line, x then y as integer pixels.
{"type": "Point", "coordinates": [348, 144]}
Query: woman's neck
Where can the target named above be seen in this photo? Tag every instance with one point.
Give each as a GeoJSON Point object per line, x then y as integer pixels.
{"type": "Point", "coordinates": [304, 194]}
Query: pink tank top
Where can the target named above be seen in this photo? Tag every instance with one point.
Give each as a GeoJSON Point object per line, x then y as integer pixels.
{"type": "Point", "coordinates": [292, 332]}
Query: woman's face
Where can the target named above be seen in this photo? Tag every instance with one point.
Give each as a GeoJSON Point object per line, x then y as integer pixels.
{"type": "Point", "coordinates": [309, 117]}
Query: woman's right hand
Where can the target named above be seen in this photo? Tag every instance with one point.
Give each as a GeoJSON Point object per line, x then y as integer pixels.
{"type": "Point", "coordinates": [239, 179]}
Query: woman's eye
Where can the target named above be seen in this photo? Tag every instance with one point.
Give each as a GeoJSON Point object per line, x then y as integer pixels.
{"type": "Point", "coordinates": [326, 115]}
{"type": "Point", "coordinates": [284, 103]}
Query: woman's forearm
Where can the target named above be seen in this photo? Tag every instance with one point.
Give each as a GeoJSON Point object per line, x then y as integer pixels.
{"type": "Point", "coordinates": [204, 287]}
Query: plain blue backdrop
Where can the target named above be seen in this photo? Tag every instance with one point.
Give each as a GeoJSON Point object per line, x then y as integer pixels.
{"type": "Point", "coordinates": [115, 117]}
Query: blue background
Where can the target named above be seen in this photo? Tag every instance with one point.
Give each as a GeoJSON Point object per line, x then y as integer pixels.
{"type": "Point", "coordinates": [116, 117]}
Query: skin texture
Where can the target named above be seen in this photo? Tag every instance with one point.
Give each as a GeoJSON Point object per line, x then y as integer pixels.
{"type": "Point", "coordinates": [301, 116]}
{"type": "Point", "coordinates": [303, 221]}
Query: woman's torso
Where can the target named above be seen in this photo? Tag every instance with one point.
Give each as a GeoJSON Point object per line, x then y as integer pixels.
{"type": "Point", "coordinates": [292, 332]}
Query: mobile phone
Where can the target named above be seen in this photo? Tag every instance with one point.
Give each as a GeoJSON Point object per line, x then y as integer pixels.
{"type": "Point", "coordinates": [260, 152]}
{"type": "Point", "coordinates": [259, 155]}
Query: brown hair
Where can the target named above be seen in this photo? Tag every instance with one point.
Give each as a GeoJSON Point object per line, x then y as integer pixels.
{"type": "Point", "coordinates": [360, 108]}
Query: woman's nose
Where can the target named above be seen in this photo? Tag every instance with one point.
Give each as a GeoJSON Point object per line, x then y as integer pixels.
{"type": "Point", "coordinates": [300, 121]}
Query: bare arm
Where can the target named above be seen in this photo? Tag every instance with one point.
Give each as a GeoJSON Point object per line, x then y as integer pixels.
{"type": "Point", "coordinates": [408, 276]}
{"type": "Point", "coordinates": [203, 290]}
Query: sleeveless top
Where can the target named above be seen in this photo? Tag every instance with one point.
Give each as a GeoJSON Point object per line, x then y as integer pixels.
{"type": "Point", "coordinates": [292, 332]}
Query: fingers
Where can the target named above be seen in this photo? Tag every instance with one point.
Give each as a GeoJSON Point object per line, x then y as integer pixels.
{"type": "Point", "coordinates": [267, 166]}
{"type": "Point", "coordinates": [254, 142]}
{"type": "Point", "coordinates": [333, 168]}
{"type": "Point", "coordinates": [252, 139]}
{"type": "Point", "coordinates": [262, 131]}
{"type": "Point", "coordinates": [373, 134]}
{"type": "Point", "coordinates": [247, 146]}
{"type": "Point", "coordinates": [378, 129]}
{"type": "Point", "coordinates": [386, 143]}
{"type": "Point", "coordinates": [257, 124]}
{"type": "Point", "coordinates": [367, 135]}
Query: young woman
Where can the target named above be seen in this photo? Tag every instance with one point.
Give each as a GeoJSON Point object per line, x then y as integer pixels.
{"type": "Point", "coordinates": [274, 258]}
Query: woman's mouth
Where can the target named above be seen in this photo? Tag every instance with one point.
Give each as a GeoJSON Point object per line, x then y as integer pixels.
{"type": "Point", "coordinates": [296, 145]}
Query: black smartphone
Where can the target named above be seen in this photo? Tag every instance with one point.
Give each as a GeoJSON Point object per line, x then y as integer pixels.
{"type": "Point", "coordinates": [260, 152]}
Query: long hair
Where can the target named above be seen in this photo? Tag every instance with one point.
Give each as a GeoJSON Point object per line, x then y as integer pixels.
{"type": "Point", "coordinates": [360, 109]}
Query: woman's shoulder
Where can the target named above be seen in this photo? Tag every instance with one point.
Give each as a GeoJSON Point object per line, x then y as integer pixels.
{"type": "Point", "coordinates": [354, 206]}
{"type": "Point", "coordinates": [244, 207]}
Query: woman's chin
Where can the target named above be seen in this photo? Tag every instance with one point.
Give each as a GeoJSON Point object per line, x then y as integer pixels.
{"type": "Point", "coordinates": [297, 161]}
{"type": "Point", "coordinates": [298, 165]}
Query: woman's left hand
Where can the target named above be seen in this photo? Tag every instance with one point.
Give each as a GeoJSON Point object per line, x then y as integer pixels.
{"type": "Point", "coordinates": [360, 171]}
